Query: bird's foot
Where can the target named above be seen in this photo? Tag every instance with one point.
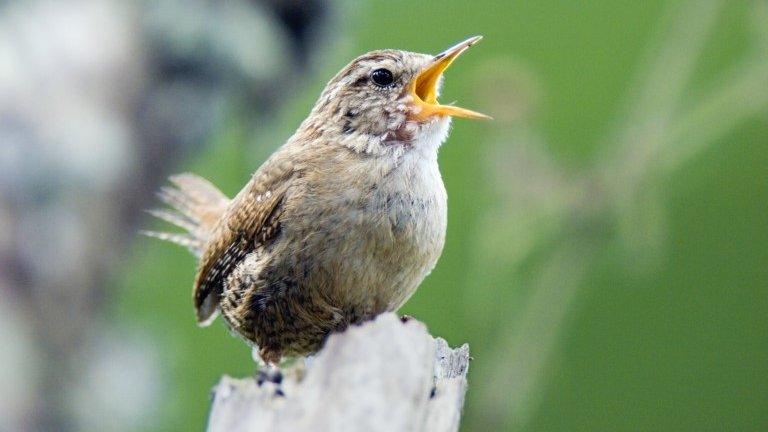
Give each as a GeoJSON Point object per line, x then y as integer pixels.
{"type": "Point", "coordinates": [270, 376]}
{"type": "Point", "coordinates": [268, 370]}
{"type": "Point", "coordinates": [269, 373]}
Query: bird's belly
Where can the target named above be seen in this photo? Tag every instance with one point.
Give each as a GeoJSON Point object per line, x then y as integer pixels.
{"type": "Point", "coordinates": [384, 258]}
{"type": "Point", "coordinates": [376, 248]}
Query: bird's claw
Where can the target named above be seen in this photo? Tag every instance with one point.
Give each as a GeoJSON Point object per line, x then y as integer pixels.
{"type": "Point", "coordinates": [269, 373]}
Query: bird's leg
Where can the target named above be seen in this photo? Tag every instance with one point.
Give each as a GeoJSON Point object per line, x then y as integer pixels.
{"type": "Point", "coordinates": [267, 368]}
{"type": "Point", "coordinates": [269, 373]}
{"type": "Point", "coordinates": [256, 356]}
{"type": "Point", "coordinates": [270, 356]}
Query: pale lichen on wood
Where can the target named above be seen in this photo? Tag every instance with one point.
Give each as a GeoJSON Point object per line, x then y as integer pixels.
{"type": "Point", "coordinates": [384, 375]}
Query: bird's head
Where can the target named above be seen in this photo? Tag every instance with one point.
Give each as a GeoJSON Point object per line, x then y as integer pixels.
{"type": "Point", "coordinates": [387, 99]}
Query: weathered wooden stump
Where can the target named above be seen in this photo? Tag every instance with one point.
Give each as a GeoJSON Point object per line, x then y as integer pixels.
{"type": "Point", "coordinates": [384, 375]}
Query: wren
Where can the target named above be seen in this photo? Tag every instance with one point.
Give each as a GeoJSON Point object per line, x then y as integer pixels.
{"type": "Point", "coordinates": [341, 223]}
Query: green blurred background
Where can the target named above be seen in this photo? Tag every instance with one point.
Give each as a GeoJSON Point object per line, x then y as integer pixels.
{"type": "Point", "coordinates": [607, 252]}
{"type": "Point", "coordinates": [607, 248]}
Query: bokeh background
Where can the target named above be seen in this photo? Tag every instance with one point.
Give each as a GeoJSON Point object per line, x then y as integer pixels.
{"type": "Point", "coordinates": [607, 249]}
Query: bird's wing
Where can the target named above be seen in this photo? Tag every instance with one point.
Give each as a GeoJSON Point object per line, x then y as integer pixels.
{"type": "Point", "coordinates": [252, 219]}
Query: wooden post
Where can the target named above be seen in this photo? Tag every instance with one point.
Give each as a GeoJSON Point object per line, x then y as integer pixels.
{"type": "Point", "coordinates": [383, 375]}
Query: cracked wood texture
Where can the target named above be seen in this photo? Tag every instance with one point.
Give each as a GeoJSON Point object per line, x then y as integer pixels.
{"type": "Point", "coordinates": [383, 375]}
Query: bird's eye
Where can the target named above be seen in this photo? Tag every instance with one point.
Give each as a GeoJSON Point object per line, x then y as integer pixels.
{"type": "Point", "coordinates": [382, 77]}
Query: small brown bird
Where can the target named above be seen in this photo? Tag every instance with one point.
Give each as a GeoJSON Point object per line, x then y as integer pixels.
{"type": "Point", "coordinates": [341, 223]}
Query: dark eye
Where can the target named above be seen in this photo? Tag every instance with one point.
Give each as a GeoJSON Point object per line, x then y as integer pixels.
{"type": "Point", "coordinates": [382, 77]}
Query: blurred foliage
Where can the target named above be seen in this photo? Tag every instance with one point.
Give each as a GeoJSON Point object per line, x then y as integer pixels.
{"type": "Point", "coordinates": [607, 252]}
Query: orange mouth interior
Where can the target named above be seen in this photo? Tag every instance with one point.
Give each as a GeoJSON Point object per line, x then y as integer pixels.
{"type": "Point", "coordinates": [424, 87]}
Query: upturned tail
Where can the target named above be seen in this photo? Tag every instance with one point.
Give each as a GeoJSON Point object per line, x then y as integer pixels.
{"type": "Point", "coordinates": [196, 205]}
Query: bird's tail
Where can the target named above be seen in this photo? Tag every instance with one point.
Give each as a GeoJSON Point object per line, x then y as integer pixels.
{"type": "Point", "coordinates": [195, 205]}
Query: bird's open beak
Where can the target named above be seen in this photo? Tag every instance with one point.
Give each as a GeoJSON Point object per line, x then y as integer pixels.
{"type": "Point", "coordinates": [424, 86]}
